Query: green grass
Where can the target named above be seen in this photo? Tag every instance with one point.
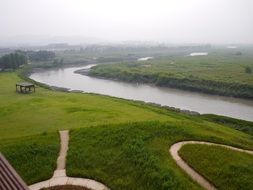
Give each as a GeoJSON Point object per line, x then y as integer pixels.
{"type": "Point", "coordinates": [33, 157]}
{"type": "Point", "coordinates": [241, 125]}
{"type": "Point", "coordinates": [226, 169]}
{"type": "Point", "coordinates": [135, 155]}
{"type": "Point", "coordinates": [221, 72]}
{"type": "Point", "coordinates": [28, 114]}
{"type": "Point", "coordinates": [119, 142]}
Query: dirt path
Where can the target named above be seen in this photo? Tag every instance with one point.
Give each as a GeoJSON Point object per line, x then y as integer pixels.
{"type": "Point", "coordinates": [190, 171]}
{"type": "Point", "coordinates": [60, 177]}
{"type": "Point", "coordinates": [61, 161]}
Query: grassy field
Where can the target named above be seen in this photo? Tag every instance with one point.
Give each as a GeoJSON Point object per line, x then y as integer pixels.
{"type": "Point", "coordinates": [51, 111]}
{"type": "Point", "coordinates": [33, 157]}
{"type": "Point", "coordinates": [226, 169]}
{"type": "Point", "coordinates": [119, 142]}
{"type": "Point", "coordinates": [221, 72]}
{"type": "Point", "coordinates": [241, 125]}
{"type": "Point", "coordinates": [117, 155]}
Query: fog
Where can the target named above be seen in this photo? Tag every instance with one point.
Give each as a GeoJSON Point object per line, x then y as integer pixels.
{"type": "Point", "coordinates": [82, 21]}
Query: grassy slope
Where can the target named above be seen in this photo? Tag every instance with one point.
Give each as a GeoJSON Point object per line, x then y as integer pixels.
{"type": "Point", "coordinates": [225, 168]}
{"type": "Point", "coordinates": [135, 155]}
{"type": "Point", "coordinates": [33, 157]}
{"type": "Point", "coordinates": [50, 111]}
{"type": "Point", "coordinates": [127, 148]}
{"type": "Point", "coordinates": [220, 73]}
{"type": "Point", "coordinates": [241, 125]}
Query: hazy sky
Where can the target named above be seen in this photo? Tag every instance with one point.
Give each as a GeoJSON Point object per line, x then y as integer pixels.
{"type": "Point", "coordinates": [200, 21]}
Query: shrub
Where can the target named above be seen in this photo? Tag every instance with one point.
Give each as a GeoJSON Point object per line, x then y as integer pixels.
{"type": "Point", "coordinates": [248, 69]}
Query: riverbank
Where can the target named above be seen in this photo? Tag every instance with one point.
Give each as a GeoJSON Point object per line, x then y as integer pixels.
{"type": "Point", "coordinates": [25, 74]}
{"type": "Point", "coordinates": [121, 143]}
{"type": "Point", "coordinates": [196, 85]}
{"type": "Point", "coordinates": [219, 72]}
{"type": "Point", "coordinates": [179, 99]}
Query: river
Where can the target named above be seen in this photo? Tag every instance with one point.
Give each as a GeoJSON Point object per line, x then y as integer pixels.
{"type": "Point", "coordinates": [202, 103]}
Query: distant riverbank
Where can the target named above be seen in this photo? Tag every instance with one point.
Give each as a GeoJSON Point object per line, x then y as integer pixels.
{"type": "Point", "coordinates": [142, 74]}
{"type": "Point", "coordinates": [67, 78]}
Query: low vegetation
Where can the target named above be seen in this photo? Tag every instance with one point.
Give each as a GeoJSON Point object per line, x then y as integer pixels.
{"type": "Point", "coordinates": [33, 157]}
{"type": "Point", "coordinates": [219, 73]}
{"type": "Point", "coordinates": [135, 155]}
{"type": "Point", "coordinates": [226, 169]}
{"type": "Point", "coordinates": [241, 125]}
{"type": "Point", "coordinates": [248, 69]}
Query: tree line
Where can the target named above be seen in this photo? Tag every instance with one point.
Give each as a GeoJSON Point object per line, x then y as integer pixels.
{"type": "Point", "coordinates": [40, 55]}
{"type": "Point", "coordinates": [13, 60]}
{"type": "Point", "coordinates": [18, 58]}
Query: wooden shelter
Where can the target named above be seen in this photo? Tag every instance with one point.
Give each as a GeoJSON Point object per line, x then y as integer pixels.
{"type": "Point", "coordinates": [25, 87]}
{"type": "Point", "coordinates": [9, 179]}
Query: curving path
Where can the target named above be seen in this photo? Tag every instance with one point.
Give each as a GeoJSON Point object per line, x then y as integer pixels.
{"type": "Point", "coordinates": [189, 170]}
{"type": "Point", "coordinates": [60, 177]}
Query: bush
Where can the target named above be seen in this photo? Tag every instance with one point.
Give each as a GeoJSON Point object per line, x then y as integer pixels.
{"type": "Point", "coordinates": [238, 53]}
{"type": "Point", "coordinates": [248, 69]}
